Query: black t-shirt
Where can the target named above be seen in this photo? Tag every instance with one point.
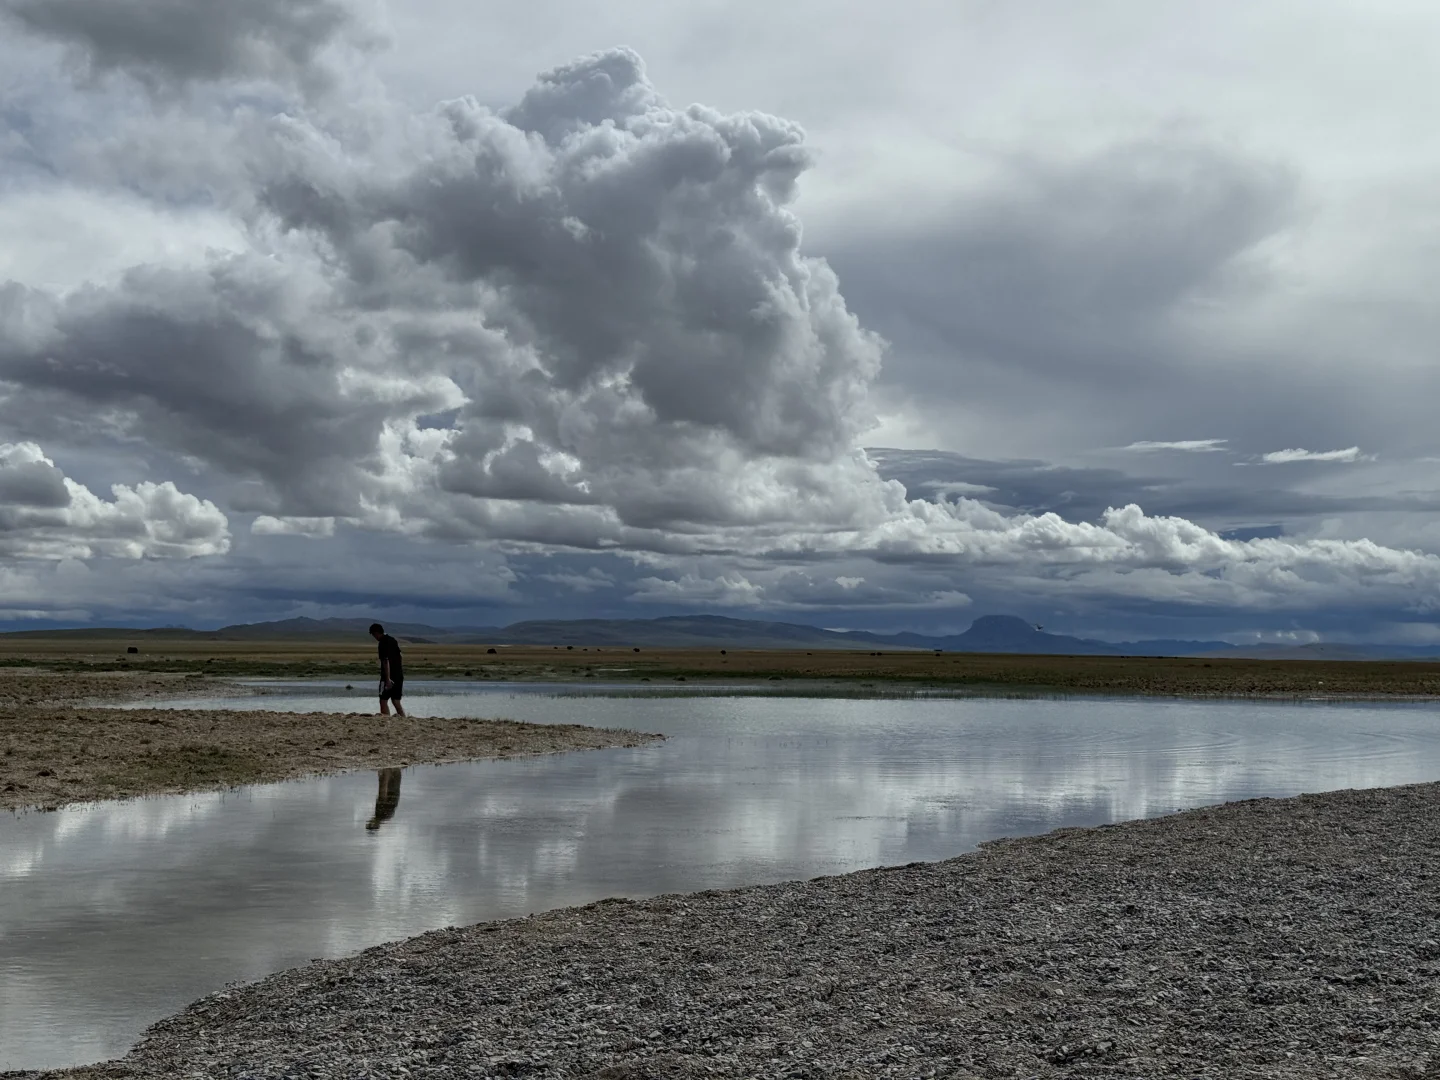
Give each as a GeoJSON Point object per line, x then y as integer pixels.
{"type": "Point", "coordinates": [390, 650]}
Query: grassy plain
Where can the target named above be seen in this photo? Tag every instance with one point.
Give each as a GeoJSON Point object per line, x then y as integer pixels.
{"type": "Point", "coordinates": [842, 671]}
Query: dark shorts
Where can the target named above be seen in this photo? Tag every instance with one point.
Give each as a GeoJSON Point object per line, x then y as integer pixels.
{"type": "Point", "coordinates": [396, 691]}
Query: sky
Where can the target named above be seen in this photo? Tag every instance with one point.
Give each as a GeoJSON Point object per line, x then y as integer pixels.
{"type": "Point", "coordinates": [1114, 316]}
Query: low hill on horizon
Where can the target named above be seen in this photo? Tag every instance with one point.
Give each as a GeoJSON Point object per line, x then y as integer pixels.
{"type": "Point", "coordinates": [988, 634]}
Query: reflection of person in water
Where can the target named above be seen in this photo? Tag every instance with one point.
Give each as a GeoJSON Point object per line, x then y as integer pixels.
{"type": "Point", "coordinates": [387, 799]}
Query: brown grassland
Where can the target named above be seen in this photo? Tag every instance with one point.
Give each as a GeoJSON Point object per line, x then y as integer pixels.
{"type": "Point", "coordinates": [858, 671]}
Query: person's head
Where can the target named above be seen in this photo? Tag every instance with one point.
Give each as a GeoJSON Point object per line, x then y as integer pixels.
{"type": "Point", "coordinates": [376, 630]}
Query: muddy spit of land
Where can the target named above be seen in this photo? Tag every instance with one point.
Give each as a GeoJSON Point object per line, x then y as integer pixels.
{"type": "Point", "coordinates": [60, 743]}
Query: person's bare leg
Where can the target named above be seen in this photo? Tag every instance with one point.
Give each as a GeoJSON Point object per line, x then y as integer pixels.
{"type": "Point", "coordinates": [399, 709]}
{"type": "Point", "coordinates": [385, 707]}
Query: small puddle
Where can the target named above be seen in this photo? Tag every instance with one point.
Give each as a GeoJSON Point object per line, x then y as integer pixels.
{"type": "Point", "coordinates": [117, 914]}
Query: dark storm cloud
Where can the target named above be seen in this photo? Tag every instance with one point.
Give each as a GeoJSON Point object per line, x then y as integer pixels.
{"type": "Point", "coordinates": [267, 577]}
{"type": "Point", "coordinates": [32, 484]}
{"type": "Point", "coordinates": [231, 366]}
{"type": "Point", "coordinates": [1101, 300]}
{"type": "Point", "coordinates": [1071, 264]}
{"type": "Point", "coordinates": [176, 41]}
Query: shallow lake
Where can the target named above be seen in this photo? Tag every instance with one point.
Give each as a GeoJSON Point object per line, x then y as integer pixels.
{"type": "Point", "coordinates": [114, 915]}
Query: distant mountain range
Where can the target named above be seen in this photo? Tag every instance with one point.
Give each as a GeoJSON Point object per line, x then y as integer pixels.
{"type": "Point", "coordinates": [989, 634]}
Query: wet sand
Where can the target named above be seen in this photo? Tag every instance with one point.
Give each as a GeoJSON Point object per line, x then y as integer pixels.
{"type": "Point", "coordinates": [59, 742]}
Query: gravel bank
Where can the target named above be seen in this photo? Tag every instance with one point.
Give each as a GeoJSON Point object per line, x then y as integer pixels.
{"type": "Point", "coordinates": [1272, 938]}
{"type": "Point", "coordinates": [55, 750]}
{"type": "Point", "coordinates": [24, 688]}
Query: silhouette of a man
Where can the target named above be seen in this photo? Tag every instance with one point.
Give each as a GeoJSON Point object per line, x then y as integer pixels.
{"type": "Point", "coordinates": [392, 671]}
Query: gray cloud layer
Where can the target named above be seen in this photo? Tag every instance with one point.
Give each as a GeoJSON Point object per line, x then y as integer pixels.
{"type": "Point", "coordinates": [587, 323]}
{"type": "Point", "coordinates": [162, 42]}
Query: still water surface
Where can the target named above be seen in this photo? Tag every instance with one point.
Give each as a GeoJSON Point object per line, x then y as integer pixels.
{"type": "Point", "coordinates": [114, 915]}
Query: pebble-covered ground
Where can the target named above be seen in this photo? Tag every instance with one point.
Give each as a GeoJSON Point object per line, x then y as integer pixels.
{"type": "Point", "coordinates": [57, 747]}
{"type": "Point", "coordinates": [1273, 938]}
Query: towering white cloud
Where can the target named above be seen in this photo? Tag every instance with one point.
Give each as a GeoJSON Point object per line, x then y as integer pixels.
{"type": "Point", "coordinates": [601, 297]}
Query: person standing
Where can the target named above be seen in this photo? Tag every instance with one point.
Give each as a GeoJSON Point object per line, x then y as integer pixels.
{"type": "Point", "coordinates": [392, 671]}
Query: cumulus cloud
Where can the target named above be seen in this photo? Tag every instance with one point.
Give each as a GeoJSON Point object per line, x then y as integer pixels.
{"type": "Point", "coordinates": [725, 590]}
{"type": "Point", "coordinates": [771, 589]}
{"type": "Point", "coordinates": [1129, 553]}
{"type": "Point", "coordinates": [605, 295]}
{"type": "Point", "coordinates": [1281, 457]}
{"type": "Point", "coordinates": [1194, 446]}
{"type": "Point", "coordinates": [956, 487]}
{"type": "Point", "coordinates": [162, 42]}
{"type": "Point", "coordinates": [315, 528]}
{"type": "Point", "coordinates": [46, 515]}
{"type": "Point", "coordinates": [945, 554]}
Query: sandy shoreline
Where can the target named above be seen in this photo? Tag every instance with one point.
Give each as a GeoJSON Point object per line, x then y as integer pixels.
{"type": "Point", "coordinates": [58, 747]}
{"type": "Point", "coordinates": [1289, 938]}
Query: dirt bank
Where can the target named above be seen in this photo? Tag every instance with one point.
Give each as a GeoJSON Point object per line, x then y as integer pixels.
{"type": "Point", "coordinates": [56, 748]}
